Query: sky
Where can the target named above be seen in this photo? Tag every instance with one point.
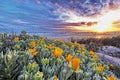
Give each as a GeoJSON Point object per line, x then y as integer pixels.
{"type": "Point", "coordinates": [59, 15]}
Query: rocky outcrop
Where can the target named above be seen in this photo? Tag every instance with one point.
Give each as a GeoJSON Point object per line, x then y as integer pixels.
{"type": "Point", "coordinates": [109, 59]}
{"type": "Point", "coordinates": [110, 50]}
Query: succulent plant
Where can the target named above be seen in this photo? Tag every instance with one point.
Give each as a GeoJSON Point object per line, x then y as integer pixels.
{"type": "Point", "coordinates": [38, 58]}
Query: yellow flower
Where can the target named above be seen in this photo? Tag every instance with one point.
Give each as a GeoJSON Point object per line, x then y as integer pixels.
{"type": "Point", "coordinates": [95, 56]}
{"type": "Point", "coordinates": [91, 53]}
{"type": "Point", "coordinates": [33, 65]}
{"type": "Point", "coordinates": [77, 44]}
{"type": "Point", "coordinates": [50, 46]}
{"type": "Point", "coordinates": [111, 65]}
{"type": "Point", "coordinates": [58, 52]}
{"type": "Point", "coordinates": [32, 43]}
{"type": "Point", "coordinates": [72, 46]}
{"type": "Point", "coordinates": [56, 78]}
{"type": "Point", "coordinates": [33, 51]}
{"type": "Point", "coordinates": [75, 63]}
{"type": "Point", "coordinates": [80, 49]}
{"type": "Point", "coordinates": [69, 58]}
{"type": "Point", "coordinates": [83, 46]}
{"type": "Point", "coordinates": [16, 39]}
{"type": "Point", "coordinates": [100, 68]}
{"type": "Point", "coordinates": [111, 78]}
{"type": "Point", "coordinates": [83, 53]}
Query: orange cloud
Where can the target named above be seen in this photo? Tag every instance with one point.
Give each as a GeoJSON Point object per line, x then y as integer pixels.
{"type": "Point", "coordinates": [87, 24]}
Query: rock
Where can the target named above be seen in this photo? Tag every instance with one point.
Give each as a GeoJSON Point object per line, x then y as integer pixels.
{"type": "Point", "coordinates": [109, 59]}
{"type": "Point", "coordinates": [110, 50]}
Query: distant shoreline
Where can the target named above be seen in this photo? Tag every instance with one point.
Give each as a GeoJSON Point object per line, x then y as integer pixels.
{"type": "Point", "coordinates": [69, 35]}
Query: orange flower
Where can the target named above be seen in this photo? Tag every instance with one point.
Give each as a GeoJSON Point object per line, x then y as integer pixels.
{"type": "Point", "coordinates": [58, 52]}
{"type": "Point", "coordinates": [100, 68]}
{"type": "Point", "coordinates": [95, 56]}
{"type": "Point", "coordinates": [69, 58]}
{"type": "Point", "coordinates": [75, 63]}
{"type": "Point", "coordinates": [91, 53]}
{"type": "Point", "coordinates": [111, 78]}
{"type": "Point", "coordinates": [111, 65]}
{"type": "Point", "coordinates": [33, 51]}
{"type": "Point", "coordinates": [32, 43]}
{"type": "Point", "coordinates": [16, 39]}
{"type": "Point", "coordinates": [72, 46]}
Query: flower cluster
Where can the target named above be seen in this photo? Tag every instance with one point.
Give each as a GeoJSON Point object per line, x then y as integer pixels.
{"type": "Point", "coordinates": [38, 58]}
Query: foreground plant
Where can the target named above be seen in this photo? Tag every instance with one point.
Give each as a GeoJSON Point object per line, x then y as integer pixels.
{"type": "Point", "coordinates": [31, 72]}
{"type": "Point", "coordinates": [37, 58]}
{"type": "Point", "coordinates": [11, 64]}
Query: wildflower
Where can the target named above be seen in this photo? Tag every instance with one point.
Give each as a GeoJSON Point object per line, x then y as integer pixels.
{"type": "Point", "coordinates": [72, 46]}
{"type": "Point", "coordinates": [95, 56]}
{"type": "Point", "coordinates": [33, 65]}
{"type": "Point", "coordinates": [16, 39]}
{"type": "Point", "coordinates": [69, 58]}
{"type": "Point", "coordinates": [79, 49]}
{"type": "Point", "coordinates": [56, 78]}
{"type": "Point", "coordinates": [83, 53]}
{"type": "Point", "coordinates": [91, 53]}
{"type": "Point", "coordinates": [50, 46]}
{"type": "Point", "coordinates": [83, 46]}
{"type": "Point", "coordinates": [111, 65]}
{"type": "Point", "coordinates": [100, 68]}
{"type": "Point", "coordinates": [111, 78]}
{"type": "Point", "coordinates": [77, 44]}
{"type": "Point", "coordinates": [75, 63]}
{"type": "Point", "coordinates": [58, 52]}
{"type": "Point", "coordinates": [33, 51]}
{"type": "Point", "coordinates": [32, 43]}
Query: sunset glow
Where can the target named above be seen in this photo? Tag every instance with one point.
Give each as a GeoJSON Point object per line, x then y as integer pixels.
{"type": "Point", "coordinates": [104, 22]}
{"type": "Point", "coordinates": [47, 16]}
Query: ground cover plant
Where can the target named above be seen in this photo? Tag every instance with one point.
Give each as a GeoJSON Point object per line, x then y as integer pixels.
{"type": "Point", "coordinates": [25, 57]}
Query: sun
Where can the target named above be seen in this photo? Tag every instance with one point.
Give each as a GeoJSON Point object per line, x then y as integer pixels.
{"type": "Point", "coordinates": [104, 21]}
{"type": "Point", "coordinates": [103, 26]}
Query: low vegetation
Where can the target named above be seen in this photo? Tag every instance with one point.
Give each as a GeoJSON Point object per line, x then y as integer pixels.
{"type": "Point", "coordinates": [25, 57]}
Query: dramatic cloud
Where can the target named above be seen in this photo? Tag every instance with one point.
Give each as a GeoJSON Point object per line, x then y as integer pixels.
{"type": "Point", "coordinates": [53, 15]}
